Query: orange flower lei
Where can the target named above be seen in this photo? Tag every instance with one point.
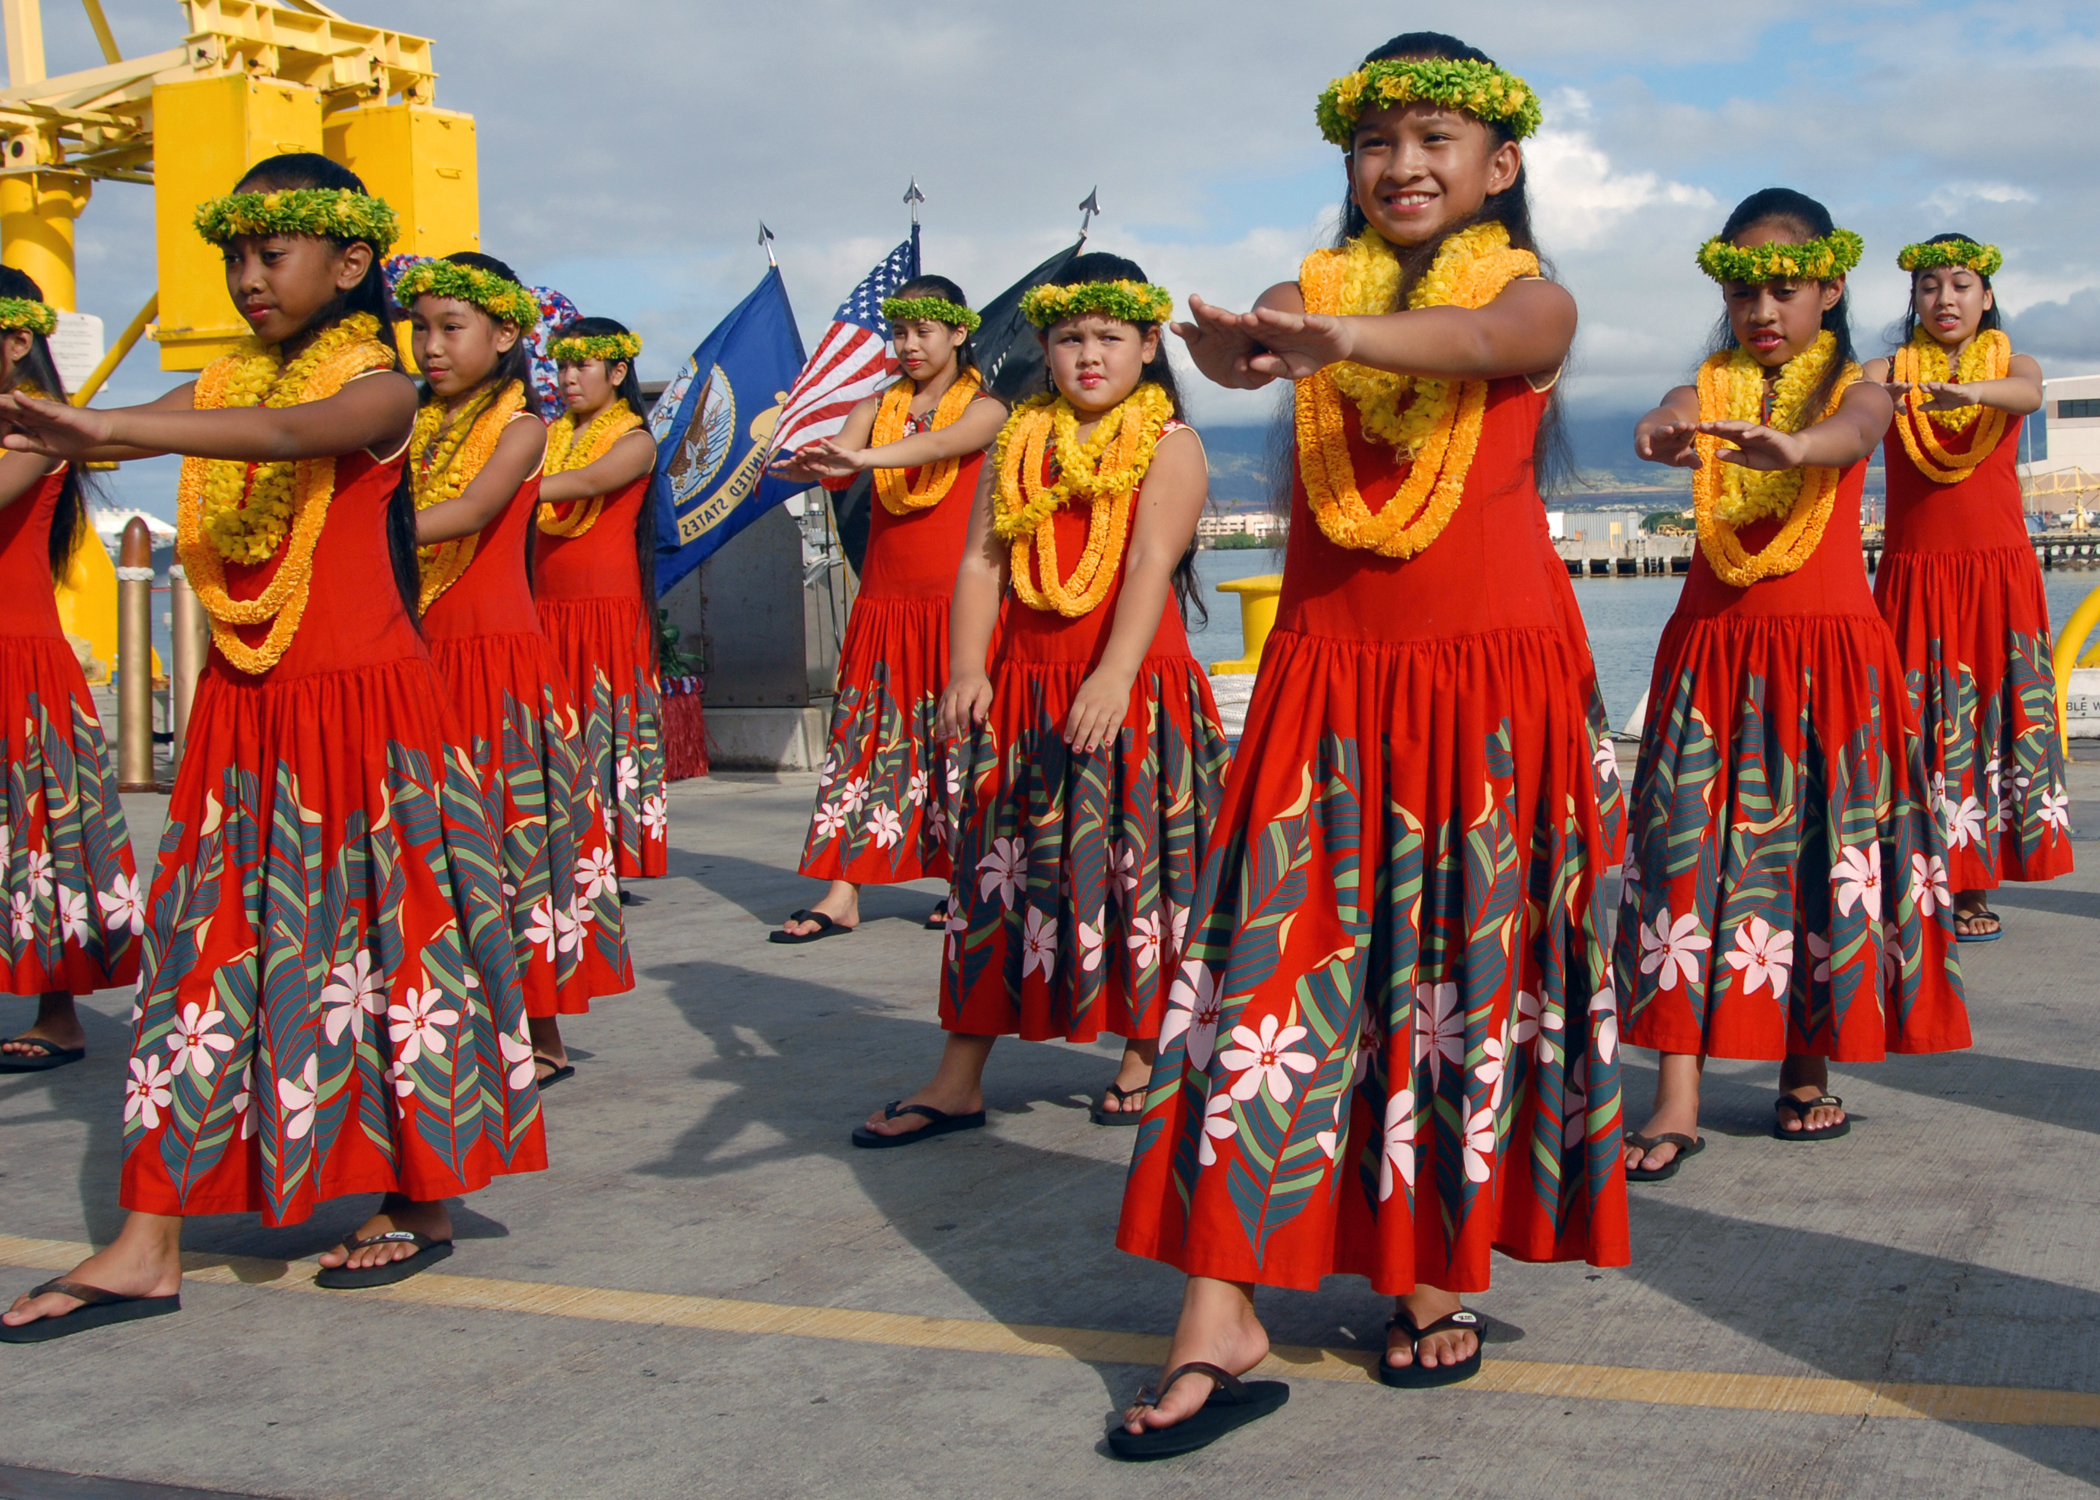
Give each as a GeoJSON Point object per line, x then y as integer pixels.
{"type": "Point", "coordinates": [1988, 357]}
{"type": "Point", "coordinates": [1106, 471]}
{"type": "Point", "coordinates": [1438, 431]}
{"type": "Point", "coordinates": [898, 497]}
{"type": "Point", "coordinates": [443, 458]}
{"type": "Point", "coordinates": [566, 452]}
{"type": "Point", "coordinates": [1802, 531]}
{"type": "Point", "coordinates": [351, 350]}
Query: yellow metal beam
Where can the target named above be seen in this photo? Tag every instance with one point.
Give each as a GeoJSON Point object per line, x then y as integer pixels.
{"type": "Point", "coordinates": [117, 351]}
{"type": "Point", "coordinates": [24, 21]}
{"type": "Point", "coordinates": [2069, 642]}
{"type": "Point", "coordinates": [104, 37]}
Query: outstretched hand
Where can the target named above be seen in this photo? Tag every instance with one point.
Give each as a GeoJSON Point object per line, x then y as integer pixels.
{"type": "Point", "coordinates": [1671, 443]}
{"type": "Point", "coordinates": [1938, 395]}
{"type": "Point", "coordinates": [1220, 346]}
{"type": "Point", "coordinates": [823, 459]}
{"type": "Point", "coordinates": [55, 429]}
{"type": "Point", "coordinates": [1757, 446]}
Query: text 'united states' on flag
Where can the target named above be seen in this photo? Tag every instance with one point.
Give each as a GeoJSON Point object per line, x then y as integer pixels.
{"type": "Point", "coordinates": [853, 359]}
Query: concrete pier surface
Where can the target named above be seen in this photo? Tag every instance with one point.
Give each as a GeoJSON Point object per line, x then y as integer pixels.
{"type": "Point", "coordinates": [711, 1293]}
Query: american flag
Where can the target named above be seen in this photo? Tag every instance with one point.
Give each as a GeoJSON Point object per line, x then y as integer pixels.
{"type": "Point", "coordinates": [853, 359]}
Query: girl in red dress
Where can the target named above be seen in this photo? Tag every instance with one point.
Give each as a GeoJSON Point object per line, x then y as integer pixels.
{"type": "Point", "coordinates": [887, 797]}
{"type": "Point", "coordinates": [474, 464]}
{"type": "Point", "coordinates": [1392, 1045]}
{"type": "Point", "coordinates": [1785, 890]}
{"type": "Point", "coordinates": [1960, 586]}
{"type": "Point", "coordinates": [329, 1001]}
{"type": "Point", "coordinates": [595, 578]}
{"type": "Point", "coordinates": [74, 909]}
{"type": "Point", "coordinates": [1093, 756]}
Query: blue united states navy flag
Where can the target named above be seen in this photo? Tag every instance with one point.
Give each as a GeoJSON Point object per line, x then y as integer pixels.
{"type": "Point", "coordinates": [713, 427]}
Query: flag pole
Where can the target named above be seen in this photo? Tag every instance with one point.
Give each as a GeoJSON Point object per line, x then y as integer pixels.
{"type": "Point", "coordinates": [1088, 209]}
{"type": "Point", "coordinates": [912, 199]}
{"type": "Point", "coordinates": [765, 241]}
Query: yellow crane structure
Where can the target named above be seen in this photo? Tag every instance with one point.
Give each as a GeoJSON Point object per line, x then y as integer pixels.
{"type": "Point", "coordinates": [250, 79]}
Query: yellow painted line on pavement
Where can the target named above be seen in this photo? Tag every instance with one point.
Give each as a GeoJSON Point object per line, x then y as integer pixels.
{"type": "Point", "coordinates": [1810, 1394]}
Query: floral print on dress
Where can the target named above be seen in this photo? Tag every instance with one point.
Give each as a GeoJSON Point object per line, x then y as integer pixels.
{"type": "Point", "coordinates": [885, 812]}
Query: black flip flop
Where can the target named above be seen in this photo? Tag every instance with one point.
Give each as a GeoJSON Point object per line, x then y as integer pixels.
{"type": "Point", "coordinates": [937, 919]}
{"type": "Point", "coordinates": [564, 1070]}
{"type": "Point", "coordinates": [825, 928]}
{"type": "Point", "coordinates": [98, 1309]}
{"type": "Point", "coordinates": [1420, 1377]}
{"type": "Point", "coordinates": [349, 1279]}
{"type": "Point", "coordinates": [54, 1056]}
{"type": "Point", "coordinates": [1979, 937]}
{"type": "Point", "coordinates": [938, 1122]}
{"type": "Point", "coordinates": [1800, 1109]}
{"type": "Point", "coordinates": [1686, 1147]}
{"type": "Point", "coordinates": [1100, 1114]}
{"type": "Point", "coordinates": [1234, 1403]}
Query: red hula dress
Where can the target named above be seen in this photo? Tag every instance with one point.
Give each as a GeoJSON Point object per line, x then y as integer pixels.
{"type": "Point", "coordinates": [1604, 751]}
{"type": "Point", "coordinates": [330, 1001]}
{"type": "Point", "coordinates": [1960, 587]}
{"type": "Point", "coordinates": [1393, 1044]}
{"type": "Point", "coordinates": [74, 907]}
{"type": "Point", "coordinates": [1785, 888]}
{"type": "Point", "coordinates": [593, 610]}
{"type": "Point", "coordinates": [1075, 872]}
{"type": "Point", "coordinates": [887, 795]}
{"type": "Point", "coordinates": [512, 704]}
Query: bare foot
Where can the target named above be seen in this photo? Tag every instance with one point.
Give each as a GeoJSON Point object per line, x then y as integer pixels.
{"type": "Point", "coordinates": [1806, 1076]}
{"type": "Point", "coordinates": [432, 1220]}
{"type": "Point", "coordinates": [1132, 1078]}
{"type": "Point", "coordinates": [841, 903]}
{"type": "Point", "coordinates": [957, 1087]}
{"type": "Point", "coordinates": [1217, 1327]}
{"type": "Point", "coordinates": [1972, 918]}
{"type": "Point", "coordinates": [144, 1261]}
{"type": "Point", "coordinates": [1425, 1304]}
{"type": "Point", "coordinates": [57, 1022]}
{"type": "Point", "coordinates": [549, 1051]}
{"type": "Point", "coordinates": [1676, 1112]}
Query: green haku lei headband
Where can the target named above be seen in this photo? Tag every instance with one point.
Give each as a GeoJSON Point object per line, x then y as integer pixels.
{"type": "Point", "coordinates": [23, 312]}
{"type": "Point", "coordinates": [1984, 260]}
{"type": "Point", "coordinates": [1125, 301]}
{"type": "Point", "coordinates": [336, 213]}
{"type": "Point", "coordinates": [938, 309]}
{"type": "Point", "coordinates": [1479, 89]}
{"type": "Point", "coordinates": [1825, 259]}
{"type": "Point", "coordinates": [575, 348]}
{"type": "Point", "coordinates": [505, 301]}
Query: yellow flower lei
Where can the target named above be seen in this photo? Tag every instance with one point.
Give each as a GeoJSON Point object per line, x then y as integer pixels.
{"type": "Point", "coordinates": [898, 497]}
{"type": "Point", "coordinates": [1924, 360]}
{"type": "Point", "coordinates": [1725, 496]}
{"type": "Point", "coordinates": [1105, 472]}
{"type": "Point", "coordinates": [282, 499]}
{"type": "Point", "coordinates": [566, 453]}
{"type": "Point", "coordinates": [1433, 425]}
{"type": "Point", "coordinates": [443, 458]}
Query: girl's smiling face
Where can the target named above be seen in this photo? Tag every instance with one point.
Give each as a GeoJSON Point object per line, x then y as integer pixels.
{"type": "Point", "coordinates": [587, 386]}
{"type": "Point", "coordinates": [279, 281]}
{"type": "Point", "coordinates": [926, 346]}
{"type": "Point", "coordinates": [1097, 361]}
{"type": "Point", "coordinates": [1414, 168]}
{"type": "Point", "coordinates": [1776, 320]}
{"type": "Point", "coordinates": [1950, 302]}
{"type": "Point", "coordinates": [457, 344]}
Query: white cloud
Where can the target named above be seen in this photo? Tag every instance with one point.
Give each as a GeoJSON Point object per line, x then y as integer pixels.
{"type": "Point", "coordinates": [1579, 199]}
{"type": "Point", "coordinates": [1955, 196]}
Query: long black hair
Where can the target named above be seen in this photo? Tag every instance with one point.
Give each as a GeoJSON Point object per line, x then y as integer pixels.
{"type": "Point", "coordinates": [1812, 221]}
{"type": "Point", "coordinates": [1552, 460]}
{"type": "Point", "coordinates": [1098, 265]}
{"type": "Point", "coordinates": [307, 169]}
{"type": "Point", "coordinates": [947, 291]}
{"type": "Point", "coordinates": [1905, 326]}
{"type": "Point", "coordinates": [629, 389]}
{"type": "Point", "coordinates": [37, 368]}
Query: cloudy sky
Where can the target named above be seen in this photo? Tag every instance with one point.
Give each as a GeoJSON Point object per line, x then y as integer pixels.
{"type": "Point", "coordinates": [630, 147]}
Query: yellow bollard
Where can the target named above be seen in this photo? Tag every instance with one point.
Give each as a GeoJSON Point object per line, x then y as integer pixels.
{"type": "Point", "coordinates": [192, 633]}
{"type": "Point", "coordinates": [135, 660]}
{"type": "Point", "coordinates": [1258, 600]}
{"type": "Point", "coordinates": [2068, 642]}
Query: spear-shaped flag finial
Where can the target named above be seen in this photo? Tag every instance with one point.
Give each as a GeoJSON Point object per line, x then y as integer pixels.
{"type": "Point", "coordinates": [765, 240]}
{"type": "Point", "coordinates": [913, 198]}
{"type": "Point", "coordinates": [1088, 209]}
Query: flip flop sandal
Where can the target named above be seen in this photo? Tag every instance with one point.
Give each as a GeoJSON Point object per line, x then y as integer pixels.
{"type": "Point", "coordinates": [98, 1309]}
{"type": "Point", "coordinates": [937, 919]}
{"type": "Point", "coordinates": [938, 1122]}
{"type": "Point", "coordinates": [1686, 1148]}
{"type": "Point", "coordinates": [1122, 1114]}
{"type": "Point", "coordinates": [1234, 1403]}
{"type": "Point", "coordinates": [54, 1056]}
{"type": "Point", "coordinates": [825, 928]}
{"type": "Point", "coordinates": [1979, 937]}
{"type": "Point", "coordinates": [349, 1279]}
{"type": "Point", "coordinates": [1800, 1108]}
{"type": "Point", "coordinates": [1420, 1377]}
{"type": "Point", "coordinates": [561, 1071]}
